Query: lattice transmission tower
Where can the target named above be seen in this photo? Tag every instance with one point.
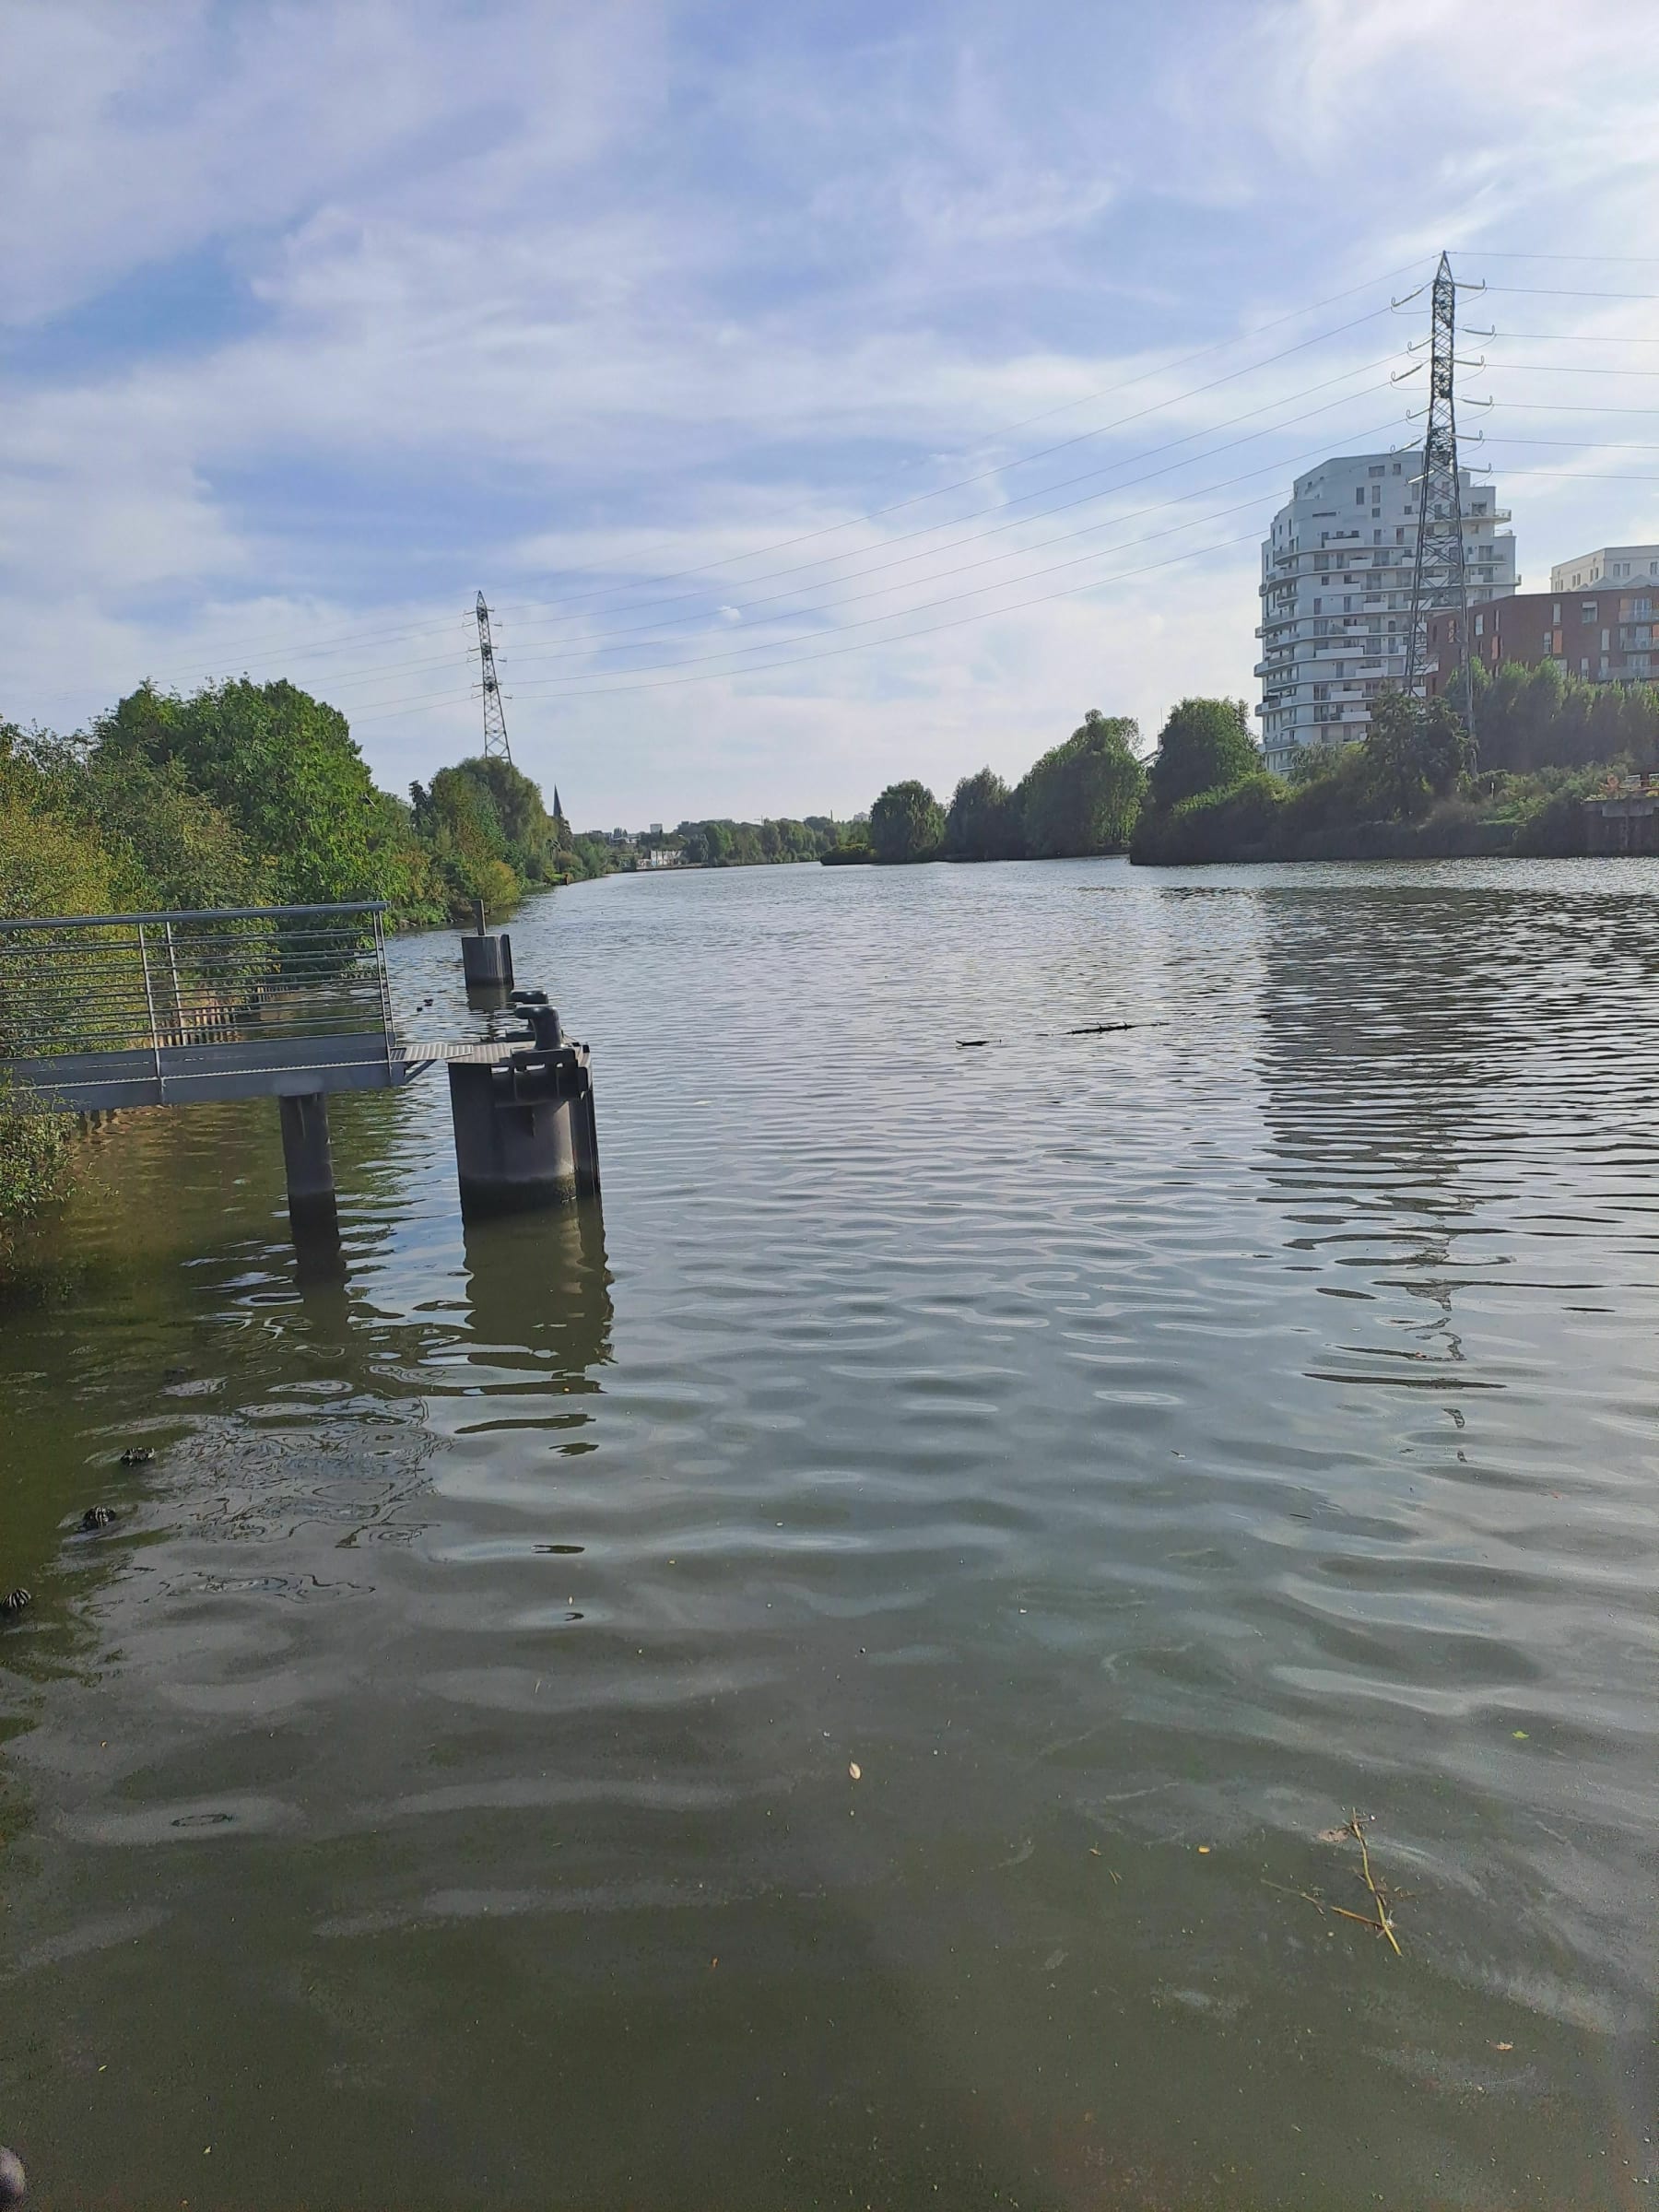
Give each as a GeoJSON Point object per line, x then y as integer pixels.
{"type": "Point", "coordinates": [1439, 575]}
{"type": "Point", "coordinates": [495, 721]}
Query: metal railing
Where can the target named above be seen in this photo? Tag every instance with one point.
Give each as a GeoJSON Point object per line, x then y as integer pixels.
{"type": "Point", "coordinates": [265, 979]}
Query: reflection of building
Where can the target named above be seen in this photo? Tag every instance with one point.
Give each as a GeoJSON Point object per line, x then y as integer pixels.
{"type": "Point", "coordinates": [1336, 594]}
{"type": "Point", "coordinates": [1605, 636]}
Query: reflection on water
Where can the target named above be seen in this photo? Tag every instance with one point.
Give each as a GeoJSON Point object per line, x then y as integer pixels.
{"type": "Point", "coordinates": [1129, 1451]}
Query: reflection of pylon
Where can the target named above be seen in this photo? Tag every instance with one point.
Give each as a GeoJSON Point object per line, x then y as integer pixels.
{"type": "Point", "coordinates": [1439, 579]}
{"type": "Point", "coordinates": [495, 721]}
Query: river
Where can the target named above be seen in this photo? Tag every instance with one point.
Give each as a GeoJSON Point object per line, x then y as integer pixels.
{"type": "Point", "coordinates": [1131, 1450]}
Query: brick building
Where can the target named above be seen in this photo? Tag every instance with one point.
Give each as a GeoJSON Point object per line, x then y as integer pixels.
{"type": "Point", "coordinates": [1605, 636]}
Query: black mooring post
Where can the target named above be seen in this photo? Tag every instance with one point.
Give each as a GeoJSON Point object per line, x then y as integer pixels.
{"type": "Point", "coordinates": [308, 1160]}
{"type": "Point", "coordinates": [524, 1129]}
{"type": "Point", "coordinates": [485, 960]}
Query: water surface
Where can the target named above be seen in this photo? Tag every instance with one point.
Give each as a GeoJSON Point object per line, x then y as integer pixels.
{"type": "Point", "coordinates": [1133, 1448]}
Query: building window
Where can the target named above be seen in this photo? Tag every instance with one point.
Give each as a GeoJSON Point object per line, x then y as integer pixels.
{"type": "Point", "coordinates": [1399, 537]}
{"type": "Point", "coordinates": [1555, 612]}
{"type": "Point", "coordinates": [1605, 641]}
{"type": "Point", "coordinates": [1358, 495]}
{"type": "Point", "coordinates": [1586, 610]}
{"type": "Point", "coordinates": [1480, 625]}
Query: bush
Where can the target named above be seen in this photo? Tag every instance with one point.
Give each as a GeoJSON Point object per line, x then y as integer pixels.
{"type": "Point", "coordinates": [1239, 821]}
{"type": "Point", "coordinates": [34, 1166]}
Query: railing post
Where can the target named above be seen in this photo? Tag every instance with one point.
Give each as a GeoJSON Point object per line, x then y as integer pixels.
{"type": "Point", "coordinates": [172, 966]}
{"type": "Point", "coordinates": [149, 1002]}
{"type": "Point", "coordinates": [386, 987]}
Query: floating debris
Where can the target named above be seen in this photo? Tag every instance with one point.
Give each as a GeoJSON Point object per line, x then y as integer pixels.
{"type": "Point", "coordinates": [856, 1771]}
{"type": "Point", "coordinates": [138, 1455]}
{"type": "Point", "coordinates": [1380, 1921]}
{"type": "Point", "coordinates": [96, 1516]}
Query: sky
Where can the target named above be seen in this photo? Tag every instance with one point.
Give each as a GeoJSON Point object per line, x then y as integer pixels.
{"type": "Point", "coordinates": [819, 395]}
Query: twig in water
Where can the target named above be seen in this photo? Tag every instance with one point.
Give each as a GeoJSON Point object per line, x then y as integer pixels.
{"type": "Point", "coordinates": [1382, 1920]}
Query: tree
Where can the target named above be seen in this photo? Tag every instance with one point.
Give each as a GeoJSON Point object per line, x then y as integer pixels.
{"type": "Point", "coordinates": [984, 823]}
{"type": "Point", "coordinates": [282, 766]}
{"type": "Point", "coordinates": [906, 823]}
{"type": "Point", "coordinates": [1413, 754]}
{"type": "Point", "coordinates": [1205, 746]}
{"type": "Point", "coordinates": [530, 839]}
{"type": "Point", "coordinates": [1083, 797]}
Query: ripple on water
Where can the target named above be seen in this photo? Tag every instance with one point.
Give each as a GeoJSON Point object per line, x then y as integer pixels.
{"type": "Point", "coordinates": [852, 1650]}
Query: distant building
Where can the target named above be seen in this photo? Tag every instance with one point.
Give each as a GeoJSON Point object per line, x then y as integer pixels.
{"type": "Point", "coordinates": [1336, 594]}
{"type": "Point", "coordinates": [1608, 564]}
{"type": "Point", "coordinates": [1605, 636]}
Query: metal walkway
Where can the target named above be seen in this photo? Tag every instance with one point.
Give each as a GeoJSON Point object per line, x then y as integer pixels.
{"type": "Point", "coordinates": [99, 1011]}
{"type": "Point", "coordinates": [290, 1003]}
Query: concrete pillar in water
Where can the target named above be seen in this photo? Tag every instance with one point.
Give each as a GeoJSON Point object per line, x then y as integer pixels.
{"type": "Point", "coordinates": [524, 1128]}
{"type": "Point", "coordinates": [308, 1162]}
{"type": "Point", "coordinates": [485, 960]}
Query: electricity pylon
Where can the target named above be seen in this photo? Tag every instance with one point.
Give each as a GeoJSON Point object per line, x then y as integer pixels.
{"type": "Point", "coordinates": [1438, 577]}
{"type": "Point", "coordinates": [495, 721]}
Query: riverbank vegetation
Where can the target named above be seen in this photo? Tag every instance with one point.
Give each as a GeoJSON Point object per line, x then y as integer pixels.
{"type": "Point", "coordinates": [256, 794]}
{"type": "Point", "coordinates": [243, 795]}
{"type": "Point", "coordinates": [1081, 797]}
{"type": "Point", "coordinates": [725, 843]}
{"type": "Point", "coordinates": [1413, 787]}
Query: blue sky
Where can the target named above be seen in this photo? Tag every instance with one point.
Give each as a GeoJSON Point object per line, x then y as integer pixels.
{"type": "Point", "coordinates": [727, 347]}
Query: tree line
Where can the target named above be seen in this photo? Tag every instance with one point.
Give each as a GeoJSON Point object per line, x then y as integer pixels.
{"type": "Point", "coordinates": [1083, 796]}
{"type": "Point", "coordinates": [1414, 784]}
{"type": "Point", "coordinates": [725, 843]}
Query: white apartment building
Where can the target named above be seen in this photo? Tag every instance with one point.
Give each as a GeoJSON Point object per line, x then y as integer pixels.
{"type": "Point", "coordinates": [1336, 594]}
{"type": "Point", "coordinates": [1609, 564]}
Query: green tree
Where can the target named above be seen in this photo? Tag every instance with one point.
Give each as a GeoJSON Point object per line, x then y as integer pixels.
{"type": "Point", "coordinates": [906, 823]}
{"type": "Point", "coordinates": [983, 822]}
{"type": "Point", "coordinates": [1083, 797]}
{"type": "Point", "coordinates": [282, 766]}
{"type": "Point", "coordinates": [1205, 746]}
{"type": "Point", "coordinates": [1414, 754]}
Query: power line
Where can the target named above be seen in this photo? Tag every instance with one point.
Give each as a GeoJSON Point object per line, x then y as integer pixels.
{"type": "Point", "coordinates": [588, 650]}
{"type": "Point", "coordinates": [951, 599]}
{"type": "Point", "coordinates": [1576, 337]}
{"type": "Point", "coordinates": [1569, 369]}
{"type": "Point", "coordinates": [1609, 260]}
{"type": "Point", "coordinates": [932, 529]}
{"type": "Point", "coordinates": [901, 614]}
{"type": "Point", "coordinates": [961, 483]}
{"type": "Point", "coordinates": [1022, 521]}
{"type": "Point", "coordinates": [534, 607]}
{"type": "Point", "coordinates": [1544, 291]}
{"type": "Point", "coordinates": [988, 614]}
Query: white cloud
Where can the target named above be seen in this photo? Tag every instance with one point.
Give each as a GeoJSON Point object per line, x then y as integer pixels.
{"type": "Point", "coordinates": [568, 303]}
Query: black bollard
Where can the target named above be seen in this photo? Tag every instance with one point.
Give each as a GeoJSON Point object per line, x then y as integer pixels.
{"type": "Point", "coordinates": [485, 960]}
{"type": "Point", "coordinates": [524, 1128]}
